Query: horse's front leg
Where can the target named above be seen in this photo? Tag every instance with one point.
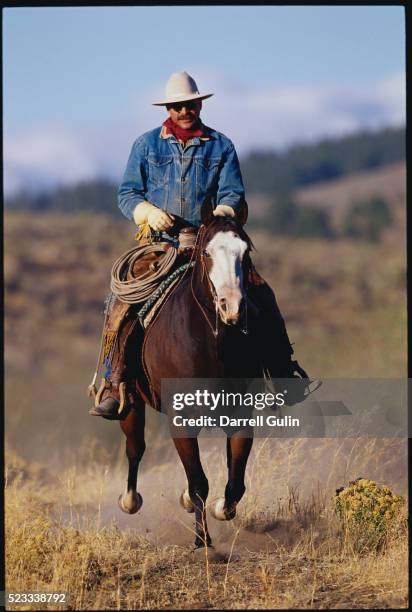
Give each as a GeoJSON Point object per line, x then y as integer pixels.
{"type": "Point", "coordinates": [133, 427]}
{"type": "Point", "coordinates": [198, 487]}
{"type": "Point", "coordinates": [238, 448]}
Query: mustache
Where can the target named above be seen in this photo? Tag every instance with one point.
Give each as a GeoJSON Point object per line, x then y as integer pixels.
{"type": "Point", "coordinates": [191, 116]}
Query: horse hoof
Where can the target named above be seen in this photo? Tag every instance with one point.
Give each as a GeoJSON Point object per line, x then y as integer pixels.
{"type": "Point", "coordinates": [186, 502]}
{"type": "Point", "coordinates": [130, 502]}
{"type": "Point", "coordinates": [219, 512]}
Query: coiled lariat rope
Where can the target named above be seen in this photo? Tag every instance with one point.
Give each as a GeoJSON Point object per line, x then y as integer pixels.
{"type": "Point", "coordinates": [136, 289]}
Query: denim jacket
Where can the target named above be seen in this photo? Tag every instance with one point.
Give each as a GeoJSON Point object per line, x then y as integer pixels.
{"type": "Point", "coordinates": [177, 179]}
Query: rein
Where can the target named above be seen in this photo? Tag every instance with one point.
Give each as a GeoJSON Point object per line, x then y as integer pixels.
{"type": "Point", "coordinates": [197, 253]}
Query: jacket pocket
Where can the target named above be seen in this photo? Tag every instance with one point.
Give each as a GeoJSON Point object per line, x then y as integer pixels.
{"type": "Point", "coordinates": [207, 172]}
{"type": "Point", "coordinates": [159, 169]}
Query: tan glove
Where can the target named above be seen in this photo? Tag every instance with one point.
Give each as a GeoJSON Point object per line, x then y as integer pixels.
{"type": "Point", "coordinates": [154, 216]}
{"type": "Point", "coordinates": [223, 210]}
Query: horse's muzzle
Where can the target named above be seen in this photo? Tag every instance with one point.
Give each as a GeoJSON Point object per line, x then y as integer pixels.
{"type": "Point", "coordinates": [229, 307]}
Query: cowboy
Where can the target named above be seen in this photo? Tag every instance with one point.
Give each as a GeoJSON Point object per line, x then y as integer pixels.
{"type": "Point", "coordinates": [170, 172]}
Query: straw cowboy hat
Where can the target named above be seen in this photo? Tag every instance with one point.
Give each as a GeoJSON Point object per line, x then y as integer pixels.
{"type": "Point", "coordinates": [181, 88]}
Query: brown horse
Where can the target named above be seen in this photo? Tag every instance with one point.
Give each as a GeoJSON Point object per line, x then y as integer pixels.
{"type": "Point", "coordinates": [200, 333]}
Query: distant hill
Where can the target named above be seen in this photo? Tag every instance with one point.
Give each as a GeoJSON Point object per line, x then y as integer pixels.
{"type": "Point", "coordinates": [97, 196]}
{"type": "Point", "coordinates": [336, 197]}
{"type": "Point", "coordinates": [267, 173]}
{"type": "Point", "coordinates": [327, 160]}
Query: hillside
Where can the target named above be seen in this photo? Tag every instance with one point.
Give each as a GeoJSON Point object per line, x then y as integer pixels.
{"type": "Point", "coordinates": [326, 160]}
{"type": "Point", "coordinates": [346, 316]}
{"type": "Point", "coordinates": [65, 469]}
{"type": "Point", "coordinates": [388, 182]}
{"type": "Point", "coordinates": [336, 197]}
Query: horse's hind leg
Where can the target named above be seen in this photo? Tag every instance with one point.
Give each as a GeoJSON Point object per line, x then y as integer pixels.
{"type": "Point", "coordinates": [188, 450]}
{"type": "Point", "coordinates": [133, 427]}
{"type": "Point", "coordinates": [238, 447]}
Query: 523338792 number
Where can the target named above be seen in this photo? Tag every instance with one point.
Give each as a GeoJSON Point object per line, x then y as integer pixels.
{"type": "Point", "coordinates": [24, 598]}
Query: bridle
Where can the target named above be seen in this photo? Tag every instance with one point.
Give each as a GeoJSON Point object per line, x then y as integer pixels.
{"type": "Point", "coordinates": [199, 254]}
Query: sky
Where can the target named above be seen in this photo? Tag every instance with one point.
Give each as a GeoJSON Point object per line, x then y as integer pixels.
{"type": "Point", "coordinates": [79, 82]}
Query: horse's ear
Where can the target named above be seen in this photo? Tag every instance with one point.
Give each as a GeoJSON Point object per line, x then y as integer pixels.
{"type": "Point", "coordinates": [242, 212]}
{"type": "Point", "coordinates": [206, 212]}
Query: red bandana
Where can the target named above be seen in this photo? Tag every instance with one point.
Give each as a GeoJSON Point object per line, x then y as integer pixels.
{"type": "Point", "coordinates": [181, 133]}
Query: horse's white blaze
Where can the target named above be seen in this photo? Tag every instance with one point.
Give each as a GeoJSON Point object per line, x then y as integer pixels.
{"type": "Point", "coordinates": [227, 250]}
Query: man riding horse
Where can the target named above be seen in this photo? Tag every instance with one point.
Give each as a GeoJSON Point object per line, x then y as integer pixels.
{"type": "Point", "coordinates": [170, 173]}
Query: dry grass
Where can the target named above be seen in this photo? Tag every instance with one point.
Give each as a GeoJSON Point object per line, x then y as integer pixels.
{"type": "Point", "coordinates": [283, 550]}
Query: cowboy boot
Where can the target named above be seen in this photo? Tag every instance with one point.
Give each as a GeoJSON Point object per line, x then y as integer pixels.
{"type": "Point", "coordinates": [117, 392]}
{"type": "Point", "coordinates": [111, 397]}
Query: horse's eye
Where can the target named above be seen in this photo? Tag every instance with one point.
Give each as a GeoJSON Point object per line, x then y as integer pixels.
{"type": "Point", "coordinates": [206, 253]}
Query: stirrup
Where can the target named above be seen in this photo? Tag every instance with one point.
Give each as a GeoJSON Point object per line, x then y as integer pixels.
{"type": "Point", "coordinates": [309, 389]}
{"type": "Point", "coordinates": [91, 389]}
{"type": "Point", "coordinates": [106, 385]}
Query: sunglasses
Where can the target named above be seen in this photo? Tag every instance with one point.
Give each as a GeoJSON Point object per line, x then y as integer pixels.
{"type": "Point", "coordinates": [177, 106]}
